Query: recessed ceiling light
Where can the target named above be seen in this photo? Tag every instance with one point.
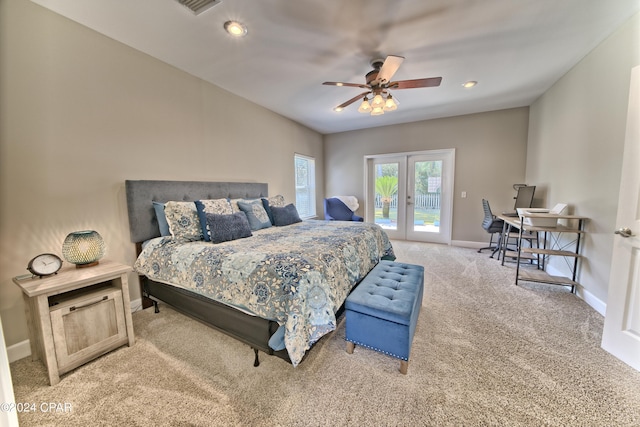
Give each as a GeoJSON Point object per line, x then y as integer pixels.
{"type": "Point", "coordinates": [470, 83]}
{"type": "Point", "coordinates": [235, 28]}
{"type": "Point", "coordinates": [337, 109]}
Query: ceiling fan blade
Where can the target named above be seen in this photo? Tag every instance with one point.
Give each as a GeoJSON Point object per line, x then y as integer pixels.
{"type": "Point", "coordinates": [352, 100]}
{"type": "Point", "coordinates": [345, 84]}
{"type": "Point", "coordinates": [389, 68]}
{"type": "Point", "coordinates": [416, 83]}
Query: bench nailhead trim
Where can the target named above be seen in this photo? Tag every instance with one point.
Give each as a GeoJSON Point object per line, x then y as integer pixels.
{"type": "Point", "coordinates": [379, 350]}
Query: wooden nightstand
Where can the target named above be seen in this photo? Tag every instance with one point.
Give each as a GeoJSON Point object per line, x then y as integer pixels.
{"type": "Point", "coordinates": [77, 315]}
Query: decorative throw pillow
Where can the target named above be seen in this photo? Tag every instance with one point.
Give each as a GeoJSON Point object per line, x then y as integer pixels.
{"type": "Point", "coordinates": [234, 204]}
{"type": "Point", "coordinates": [256, 214]}
{"type": "Point", "coordinates": [216, 206]}
{"type": "Point", "coordinates": [277, 200]}
{"type": "Point", "coordinates": [163, 225]}
{"type": "Point", "coordinates": [225, 228]}
{"type": "Point", "coordinates": [267, 202]}
{"type": "Point", "coordinates": [338, 210]}
{"type": "Point", "coordinates": [183, 221]}
{"type": "Point", "coordinates": [285, 216]}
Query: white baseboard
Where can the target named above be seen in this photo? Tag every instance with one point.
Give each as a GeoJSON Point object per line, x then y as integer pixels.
{"type": "Point", "coordinates": [594, 302]}
{"type": "Point", "coordinates": [23, 349]}
{"type": "Point", "coordinates": [19, 351]}
{"type": "Point", "coordinates": [468, 244]}
{"type": "Point", "coordinates": [136, 305]}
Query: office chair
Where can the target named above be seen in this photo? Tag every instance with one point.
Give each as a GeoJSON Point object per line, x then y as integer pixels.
{"type": "Point", "coordinates": [492, 225]}
{"type": "Point", "coordinates": [335, 209]}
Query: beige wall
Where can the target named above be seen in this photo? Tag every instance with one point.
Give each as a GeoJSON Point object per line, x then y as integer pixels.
{"type": "Point", "coordinates": [490, 158]}
{"type": "Point", "coordinates": [576, 138]}
{"type": "Point", "coordinates": [80, 113]}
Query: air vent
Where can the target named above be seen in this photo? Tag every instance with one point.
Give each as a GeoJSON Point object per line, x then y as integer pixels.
{"type": "Point", "coordinates": [199, 6]}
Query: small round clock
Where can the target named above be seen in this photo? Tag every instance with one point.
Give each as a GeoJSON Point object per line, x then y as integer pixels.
{"type": "Point", "coordinates": [44, 265]}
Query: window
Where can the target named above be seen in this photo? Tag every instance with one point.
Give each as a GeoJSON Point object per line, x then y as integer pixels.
{"type": "Point", "coordinates": [305, 168]}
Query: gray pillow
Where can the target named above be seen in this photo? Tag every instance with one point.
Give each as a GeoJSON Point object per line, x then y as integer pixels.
{"type": "Point", "coordinates": [285, 216]}
{"type": "Point", "coordinates": [256, 214]}
{"type": "Point", "coordinates": [224, 228]}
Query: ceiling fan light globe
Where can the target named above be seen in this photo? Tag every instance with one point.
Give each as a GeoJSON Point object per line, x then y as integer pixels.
{"type": "Point", "coordinates": [390, 104]}
{"type": "Point", "coordinates": [377, 111]}
{"type": "Point", "coordinates": [365, 107]}
{"type": "Point", "coordinates": [377, 101]}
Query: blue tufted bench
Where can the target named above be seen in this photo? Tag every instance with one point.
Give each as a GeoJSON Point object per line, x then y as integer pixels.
{"type": "Point", "coordinates": [382, 311]}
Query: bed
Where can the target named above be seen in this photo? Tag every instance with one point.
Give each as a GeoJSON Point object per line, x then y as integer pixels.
{"type": "Point", "coordinates": [278, 290]}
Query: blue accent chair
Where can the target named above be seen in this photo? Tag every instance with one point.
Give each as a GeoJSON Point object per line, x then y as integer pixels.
{"type": "Point", "coordinates": [336, 210]}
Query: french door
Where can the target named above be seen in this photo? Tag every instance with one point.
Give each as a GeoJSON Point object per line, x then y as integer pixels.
{"type": "Point", "coordinates": [410, 194]}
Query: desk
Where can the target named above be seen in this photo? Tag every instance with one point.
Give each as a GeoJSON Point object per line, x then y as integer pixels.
{"type": "Point", "coordinates": [552, 245]}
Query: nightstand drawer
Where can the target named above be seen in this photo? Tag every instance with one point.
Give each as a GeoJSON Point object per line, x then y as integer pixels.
{"type": "Point", "coordinates": [87, 325]}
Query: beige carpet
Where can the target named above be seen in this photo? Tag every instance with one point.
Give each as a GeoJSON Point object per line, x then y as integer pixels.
{"type": "Point", "coordinates": [485, 353]}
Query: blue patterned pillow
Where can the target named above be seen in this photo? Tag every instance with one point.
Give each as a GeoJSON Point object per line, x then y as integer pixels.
{"type": "Point", "coordinates": [183, 221]}
{"type": "Point", "coordinates": [256, 214]}
{"type": "Point", "coordinates": [285, 216]}
{"type": "Point", "coordinates": [225, 228]}
{"type": "Point", "coordinates": [216, 206]}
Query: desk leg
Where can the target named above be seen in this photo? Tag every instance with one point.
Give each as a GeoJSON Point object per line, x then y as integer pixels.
{"type": "Point", "coordinates": [504, 239]}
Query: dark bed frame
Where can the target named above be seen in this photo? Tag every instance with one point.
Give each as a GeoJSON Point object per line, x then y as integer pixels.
{"type": "Point", "coordinates": [143, 225]}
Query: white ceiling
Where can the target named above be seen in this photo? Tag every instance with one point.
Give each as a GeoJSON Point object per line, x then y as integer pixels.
{"type": "Point", "coordinates": [515, 49]}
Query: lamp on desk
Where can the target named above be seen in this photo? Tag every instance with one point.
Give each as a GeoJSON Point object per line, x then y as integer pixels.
{"type": "Point", "coordinates": [83, 248]}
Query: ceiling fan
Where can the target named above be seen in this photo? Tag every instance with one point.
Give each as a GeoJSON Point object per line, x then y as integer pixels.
{"type": "Point", "coordinates": [379, 85]}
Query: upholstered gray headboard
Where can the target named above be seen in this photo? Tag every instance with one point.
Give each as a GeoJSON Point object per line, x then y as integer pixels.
{"type": "Point", "coordinates": [141, 195]}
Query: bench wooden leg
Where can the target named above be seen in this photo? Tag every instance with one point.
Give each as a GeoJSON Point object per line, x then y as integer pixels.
{"type": "Point", "coordinates": [350, 347]}
{"type": "Point", "coordinates": [404, 365]}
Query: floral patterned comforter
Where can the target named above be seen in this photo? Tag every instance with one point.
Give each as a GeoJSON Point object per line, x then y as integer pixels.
{"type": "Point", "coordinates": [298, 275]}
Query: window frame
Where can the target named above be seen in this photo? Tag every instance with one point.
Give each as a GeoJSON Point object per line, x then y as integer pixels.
{"type": "Point", "coordinates": [310, 186]}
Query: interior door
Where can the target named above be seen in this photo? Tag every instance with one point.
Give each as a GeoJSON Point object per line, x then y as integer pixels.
{"type": "Point", "coordinates": [621, 335]}
{"type": "Point", "coordinates": [7, 418]}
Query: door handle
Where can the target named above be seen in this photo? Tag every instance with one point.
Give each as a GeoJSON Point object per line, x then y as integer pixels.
{"type": "Point", "coordinates": [624, 232]}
